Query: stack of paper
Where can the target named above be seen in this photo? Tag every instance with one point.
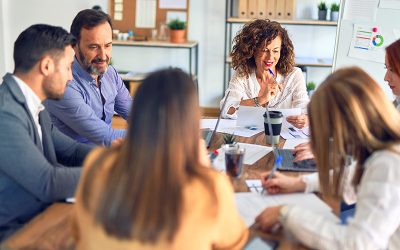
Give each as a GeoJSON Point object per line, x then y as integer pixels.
{"type": "Point", "coordinates": [251, 204]}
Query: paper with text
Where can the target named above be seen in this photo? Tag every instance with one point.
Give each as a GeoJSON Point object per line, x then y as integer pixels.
{"type": "Point", "coordinates": [252, 204]}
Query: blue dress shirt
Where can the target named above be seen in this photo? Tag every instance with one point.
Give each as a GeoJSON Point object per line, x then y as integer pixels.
{"type": "Point", "coordinates": [82, 114]}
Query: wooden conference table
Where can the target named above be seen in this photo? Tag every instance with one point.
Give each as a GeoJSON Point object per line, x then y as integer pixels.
{"type": "Point", "coordinates": [52, 229]}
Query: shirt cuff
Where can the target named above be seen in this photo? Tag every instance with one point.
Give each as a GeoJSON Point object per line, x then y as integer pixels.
{"type": "Point", "coordinates": [311, 181]}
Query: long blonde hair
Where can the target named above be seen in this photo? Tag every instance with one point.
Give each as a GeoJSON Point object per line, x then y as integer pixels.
{"type": "Point", "coordinates": [350, 110]}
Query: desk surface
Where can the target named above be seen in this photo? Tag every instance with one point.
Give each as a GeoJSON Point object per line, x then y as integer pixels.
{"type": "Point", "coordinates": [52, 228]}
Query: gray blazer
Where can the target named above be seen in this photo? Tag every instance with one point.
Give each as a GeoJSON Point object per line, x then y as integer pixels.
{"type": "Point", "coordinates": [32, 176]}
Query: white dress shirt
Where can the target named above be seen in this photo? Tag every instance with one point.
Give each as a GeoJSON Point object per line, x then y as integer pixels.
{"type": "Point", "coordinates": [376, 224]}
{"type": "Point", "coordinates": [34, 103]}
{"type": "Point", "coordinates": [293, 95]}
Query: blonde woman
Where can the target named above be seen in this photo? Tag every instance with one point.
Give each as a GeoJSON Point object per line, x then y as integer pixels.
{"type": "Point", "coordinates": [349, 116]}
{"type": "Point", "coordinates": [156, 190]}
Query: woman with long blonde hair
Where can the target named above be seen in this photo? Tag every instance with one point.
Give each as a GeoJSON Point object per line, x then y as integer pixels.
{"type": "Point", "coordinates": [350, 117]}
{"type": "Point", "coordinates": [157, 191]}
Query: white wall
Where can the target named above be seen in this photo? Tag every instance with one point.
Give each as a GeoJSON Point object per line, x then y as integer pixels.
{"type": "Point", "coordinates": [17, 15]}
{"type": "Point", "coordinates": [206, 25]}
{"type": "Point", "coordinates": [3, 39]}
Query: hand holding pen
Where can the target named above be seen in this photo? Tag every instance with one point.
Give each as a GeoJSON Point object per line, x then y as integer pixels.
{"type": "Point", "coordinates": [274, 182]}
{"type": "Point", "coordinates": [271, 89]}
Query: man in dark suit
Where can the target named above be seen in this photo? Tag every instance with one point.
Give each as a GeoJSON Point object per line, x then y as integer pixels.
{"type": "Point", "coordinates": [38, 164]}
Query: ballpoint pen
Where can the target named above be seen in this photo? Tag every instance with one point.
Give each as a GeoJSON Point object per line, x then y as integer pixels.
{"type": "Point", "coordinates": [270, 71]}
{"type": "Point", "coordinates": [276, 164]}
{"type": "Point", "coordinates": [271, 174]}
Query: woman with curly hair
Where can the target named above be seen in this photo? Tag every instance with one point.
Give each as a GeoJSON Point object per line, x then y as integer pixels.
{"type": "Point", "coordinates": [263, 58]}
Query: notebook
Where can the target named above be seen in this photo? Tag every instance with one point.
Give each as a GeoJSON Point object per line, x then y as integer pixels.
{"type": "Point", "coordinates": [208, 135]}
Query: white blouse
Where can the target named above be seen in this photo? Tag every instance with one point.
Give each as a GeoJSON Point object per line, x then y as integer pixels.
{"type": "Point", "coordinates": [293, 95]}
{"type": "Point", "coordinates": [376, 224]}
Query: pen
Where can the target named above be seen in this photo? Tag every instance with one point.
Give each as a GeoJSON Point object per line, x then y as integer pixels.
{"type": "Point", "coordinates": [270, 71]}
{"type": "Point", "coordinates": [273, 75]}
{"type": "Point", "coordinates": [276, 164]}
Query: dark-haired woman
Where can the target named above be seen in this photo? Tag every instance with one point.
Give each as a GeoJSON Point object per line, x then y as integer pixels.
{"type": "Point", "coordinates": [263, 58]}
{"type": "Point", "coordinates": [156, 190]}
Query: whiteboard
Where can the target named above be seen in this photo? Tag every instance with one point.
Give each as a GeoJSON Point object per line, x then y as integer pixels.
{"type": "Point", "coordinates": [386, 21]}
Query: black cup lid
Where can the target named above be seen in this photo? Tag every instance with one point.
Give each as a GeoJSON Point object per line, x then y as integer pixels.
{"type": "Point", "coordinates": [274, 114]}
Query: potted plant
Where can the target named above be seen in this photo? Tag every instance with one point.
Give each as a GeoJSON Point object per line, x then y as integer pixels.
{"type": "Point", "coordinates": [322, 10]}
{"type": "Point", "coordinates": [229, 139]}
{"type": "Point", "coordinates": [177, 30]}
{"type": "Point", "coordinates": [310, 88]}
{"type": "Point", "coordinates": [334, 11]}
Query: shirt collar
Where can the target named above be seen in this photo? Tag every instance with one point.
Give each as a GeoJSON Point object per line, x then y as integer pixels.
{"type": "Point", "coordinates": [32, 100]}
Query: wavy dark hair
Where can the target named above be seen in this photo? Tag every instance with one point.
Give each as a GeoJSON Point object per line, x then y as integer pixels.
{"type": "Point", "coordinates": [255, 35]}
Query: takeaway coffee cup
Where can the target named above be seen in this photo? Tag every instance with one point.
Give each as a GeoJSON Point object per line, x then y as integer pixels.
{"type": "Point", "coordinates": [276, 119]}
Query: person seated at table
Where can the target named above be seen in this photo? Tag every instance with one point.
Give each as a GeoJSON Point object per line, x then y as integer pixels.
{"type": "Point", "coordinates": [392, 76]}
{"type": "Point", "coordinates": [156, 190]}
{"type": "Point", "coordinates": [263, 58]}
{"type": "Point", "coordinates": [96, 91]}
{"type": "Point", "coordinates": [39, 165]}
{"type": "Point", "coordinates": [359, 122]}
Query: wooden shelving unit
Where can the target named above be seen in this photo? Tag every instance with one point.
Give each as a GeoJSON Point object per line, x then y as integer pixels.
{"type": "Point", "coordinates": [231, 20]}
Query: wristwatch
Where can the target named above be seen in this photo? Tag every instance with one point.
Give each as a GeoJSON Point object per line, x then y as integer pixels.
{"type": "Point", "coordinates": [283, 212]}
{"type": "Point", "coordinates": [255, 99]}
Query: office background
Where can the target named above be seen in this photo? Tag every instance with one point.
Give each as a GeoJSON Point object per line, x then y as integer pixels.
{"type": "Point", "coordinates": [206, 25]}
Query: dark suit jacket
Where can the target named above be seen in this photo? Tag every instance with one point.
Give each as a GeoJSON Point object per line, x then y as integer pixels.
{"type": "Point", "coordinates": [32, 174]}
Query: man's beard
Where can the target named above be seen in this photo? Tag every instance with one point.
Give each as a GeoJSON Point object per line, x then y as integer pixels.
{"type": "Point", "coordinates": [89, 66]}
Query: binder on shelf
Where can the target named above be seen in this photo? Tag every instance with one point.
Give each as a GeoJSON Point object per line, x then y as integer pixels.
{"type": "Point", "coordinates": [252, 11]}
{"type": "Point", "coordinates": [262, 8]}
{"type": "Point", "coordinates": [290, 9]}
{"type": "Point", "coordinates": [271, 9]}
{"type": "Point", "coordinates": [242, 9]}
{"type": "Point", "coordinates": [280, 9]}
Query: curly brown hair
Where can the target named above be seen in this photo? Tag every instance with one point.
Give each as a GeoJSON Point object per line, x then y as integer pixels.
{"type": "Point", "coordinates": [255, 35]}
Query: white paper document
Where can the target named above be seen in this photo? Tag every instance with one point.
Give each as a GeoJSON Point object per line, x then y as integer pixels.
{"type": "Point", "coordinates": [250, 117]}
{"type": "Point", "coordinates": [255, 186]}
{"type": "Point", "coordinates": [145, 14]}
{"type": "Point", "coordinates": [288, 131]}
{"type": "Point", "coordinates": [223, 124]}
{"type": "Point", "coordinates": [287, 112]}
{"type": "Point", "coordinates": [292, 143]}
{"type": "Point", "coordinates": [252, 155]}
{"type": "Point", "coordinates": [252, 204]}
{"type": "Point", "coordinates": [360, 10]}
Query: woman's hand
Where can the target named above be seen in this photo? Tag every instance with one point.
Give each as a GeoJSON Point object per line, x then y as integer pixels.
{"type": "Point", "coordinates": [299, 121]}
{"type": "Point", "coordinates": [268, 218]}
{"type": "Point", "coordinates": [280, 183]}
{"type": "Point", "coordinates": [271, 90]}
{"type": "Point", "coordinates": [303, 152]}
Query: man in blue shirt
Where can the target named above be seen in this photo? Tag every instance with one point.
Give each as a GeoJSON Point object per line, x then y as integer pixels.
{"type": "Point", "coordinates": [97, 91]}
